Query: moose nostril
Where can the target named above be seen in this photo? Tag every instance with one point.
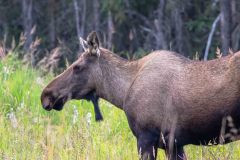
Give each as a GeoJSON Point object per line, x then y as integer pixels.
{"type": "Point", "coordinates": [46, 104]}
{"type": "Point", "coordinates": [48, 108]}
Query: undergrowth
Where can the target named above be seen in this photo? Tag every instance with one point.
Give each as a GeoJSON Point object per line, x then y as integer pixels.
{"type": "Point", "coordinates": [29, 132]}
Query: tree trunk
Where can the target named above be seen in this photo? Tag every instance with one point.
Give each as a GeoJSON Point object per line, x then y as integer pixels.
{"type": "Point", "coordinates": [210, 37]}
{"type": "Point", "coordinates": [96, 13]}
{"type": "Point", "coordinates": [235, 26]}
{"type": "Point", "coordinates": [127, 3]}
{"type": "Point", "coordinates": [52, 32]}
{"type": "Point", "coordinates": [83, 16]}
{"type": "Point", "coordinates": [225, 7]}
{"type": "Point", "coordinates": [110, 30]}
{"type": "Point", "coordinates": [234, 12]}
{"type": "Point", "coordinates": [27, 22]}
{"type": "Point", "coordinates": [77, 19]}
{"type": "Point", "coordinates": [179, 31]}
{"type": "Point", "coordinates": [159, 25]}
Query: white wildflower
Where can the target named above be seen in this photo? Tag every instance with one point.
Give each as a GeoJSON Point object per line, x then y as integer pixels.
{"type": "Point", "coordinates": [13, 119]}
{"type": "Point", "coordinates": [6, 70]}
{"type": "Point", "coordinates": [39, 81]}
{"type": "Point", "coordinates": [22, 104]}
{"type": "Point", "coordinates": [35, 120]}
{"type": "Point", "coordinates": [88, 118]}
{"type": "Point", "coordinates": [75, 114]}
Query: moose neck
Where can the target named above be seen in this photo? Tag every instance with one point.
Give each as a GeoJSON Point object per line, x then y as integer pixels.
{"type": "Point", "coordinates": [116, 77]}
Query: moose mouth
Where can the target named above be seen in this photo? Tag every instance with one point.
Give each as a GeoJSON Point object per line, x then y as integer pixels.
{"type": "Point", "coordinates": [56, 105]}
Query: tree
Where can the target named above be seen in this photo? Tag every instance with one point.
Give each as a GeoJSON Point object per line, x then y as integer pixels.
{"type": "Point", "coordinates": [225, 7]}
{"type": "Point", "coordinates": [161, 41]}
{"type": "Point", "coordinates": [127, 26]}
{"type": "Point", "coordinates": [52, 26]}
{"type": "Point", "coordinates": [27, 6]}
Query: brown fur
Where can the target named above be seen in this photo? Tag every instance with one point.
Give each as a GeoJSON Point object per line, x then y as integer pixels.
{"type": "Point", "coordinates": [170, 101]}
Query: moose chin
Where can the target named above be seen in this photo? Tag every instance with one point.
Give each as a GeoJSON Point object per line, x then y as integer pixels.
{"type": "Point", "coordinates": [169, 100]}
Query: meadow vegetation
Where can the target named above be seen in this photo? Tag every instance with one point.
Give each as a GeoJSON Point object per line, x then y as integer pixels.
{"type": "Point", "coordinates": [29, 132]}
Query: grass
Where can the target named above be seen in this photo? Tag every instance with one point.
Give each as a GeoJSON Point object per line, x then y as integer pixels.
{"type": "Point", "coordinates": [29, 132]}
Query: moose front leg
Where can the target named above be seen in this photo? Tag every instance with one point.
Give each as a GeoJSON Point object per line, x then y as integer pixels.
{"type": "Point", "coordinates": [147, 146]}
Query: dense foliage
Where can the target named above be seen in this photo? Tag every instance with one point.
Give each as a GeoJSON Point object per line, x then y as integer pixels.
{"type": "Point", "coordinates": [130, 27]}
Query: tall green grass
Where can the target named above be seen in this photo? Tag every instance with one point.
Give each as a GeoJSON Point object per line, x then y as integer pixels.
{"type": "Point", "coordinates": [29, 132]}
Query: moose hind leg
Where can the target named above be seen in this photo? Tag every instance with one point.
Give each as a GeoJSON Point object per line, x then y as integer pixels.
{"type": "Point", "coordinates": [147, 146]}
{"type": "Point", "coordinates": [176, 154]}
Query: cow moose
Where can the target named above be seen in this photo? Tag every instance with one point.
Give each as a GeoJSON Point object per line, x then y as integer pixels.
{"type": "Point", "coordinates": [169, 100]}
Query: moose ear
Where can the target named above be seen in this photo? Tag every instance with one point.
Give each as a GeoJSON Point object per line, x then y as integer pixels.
{"type": "Point", "coordinates": [93, 43]}
{"type": "Point", "coordinates": [83, 44]}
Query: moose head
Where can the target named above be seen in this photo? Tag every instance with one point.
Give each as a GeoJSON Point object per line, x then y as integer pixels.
{"type": "Point", "coordinates": [78, 81]}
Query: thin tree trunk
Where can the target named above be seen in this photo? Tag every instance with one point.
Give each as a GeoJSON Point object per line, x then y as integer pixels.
{"type": "Point", "coordinates": [77, 18]}
{"type": "Point", "coordinates": [235, 26]}
{"type": "Point", "coordinates": [110, 30]}
{"type": "Point", "coordinates": [27, 22]}
{"type": "Point", "coordinates": [233, 11]}
{"type": "Point", "coordinates": [83, 17]}
{"type": "Point", "coordinates": [210, 37]}
{"type": "Point", "coordinates": [159, 25]}
{"type": "Point", "coordinates": [52, 32]}
{"type": "Point", "coordinates": [96, 18]}
{"type": "Point", "coordinates": [225, 7]}
{"type": "Point", "coordinates": [179, 31]}
{"type": "Point", "coordinates": [126, 2]}
{"type": "Point", "coordinates": [5, 31]}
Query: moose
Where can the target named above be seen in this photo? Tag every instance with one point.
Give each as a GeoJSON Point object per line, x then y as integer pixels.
{"type": "Point", "coordinates": [169, 100]}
